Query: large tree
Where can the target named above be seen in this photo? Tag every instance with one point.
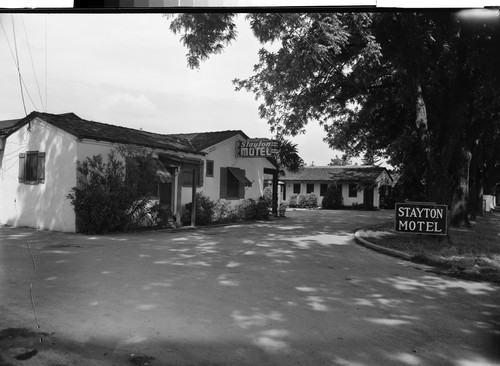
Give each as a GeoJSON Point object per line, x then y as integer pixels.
{"type": "Point", "coordinates": [418, 88]}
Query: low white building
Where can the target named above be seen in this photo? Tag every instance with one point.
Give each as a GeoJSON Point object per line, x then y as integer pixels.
{"type": "Point", "coordinates": [38, 156]}
{"type": "Point", "coordinates": [360, 184]}
{"type": "Point", "coordinates": [225, 174]}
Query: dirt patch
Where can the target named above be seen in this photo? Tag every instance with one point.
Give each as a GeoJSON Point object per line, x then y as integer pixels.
{"type": "Point", "coordinates": [12, 333]}
{"type": "Point", "coordinates": [141, 360]}
{"type": "Point", "coordinates": [22, 346]}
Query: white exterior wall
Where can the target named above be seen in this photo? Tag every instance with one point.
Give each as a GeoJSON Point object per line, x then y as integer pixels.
{"type": "Point", "coordinates": [489, 202]}
{"type": "Point", "coordinates": [303, 189]}
{"type": "Point", "coordinates": [348, 201]}
{"type": "Point", "coordinates": [44, 205]}
{"type": "Point", "coordinates": [89, 148]}
{"type": "Point", "coordinates": [376, 197]}
{"type": "Point", "coordinates": [223, 155]}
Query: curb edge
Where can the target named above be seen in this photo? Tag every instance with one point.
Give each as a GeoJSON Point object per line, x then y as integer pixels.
{"type": "Point", "coordinates": [378, 248]}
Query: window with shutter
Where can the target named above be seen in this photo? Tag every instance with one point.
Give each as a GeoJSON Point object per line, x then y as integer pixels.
{"type": "Point", "coordinates": [223, 182]}
{"type": "Point", "coordinates": [233, 186]}
{"type": "Point", "coordinates": [22, 158]}
{"type": "Point", "coordinates": [41, 167]}
{"type": "Point", "coordinates": [241, 191]}
{"type": "Point", "coordinates": [32, 167]}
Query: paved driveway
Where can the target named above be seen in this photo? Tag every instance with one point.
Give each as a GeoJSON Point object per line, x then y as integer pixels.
{"type": "Point", "coordinates": [294, 291]}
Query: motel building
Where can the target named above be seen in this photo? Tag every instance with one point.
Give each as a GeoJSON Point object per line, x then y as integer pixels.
{"type": "Point", "coordinates": [360, 184]}
{"type": "Point", "coordinates": [38, 156]}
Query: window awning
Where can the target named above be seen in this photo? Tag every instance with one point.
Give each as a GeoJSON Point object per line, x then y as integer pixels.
{"type": "Point", "coordinates": [240, 175]}
{"type": "Point", "coordinates": [162, 174]}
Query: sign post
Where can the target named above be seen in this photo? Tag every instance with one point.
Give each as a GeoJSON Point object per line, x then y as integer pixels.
{"type": "Point", "coordinates": [422, 218]}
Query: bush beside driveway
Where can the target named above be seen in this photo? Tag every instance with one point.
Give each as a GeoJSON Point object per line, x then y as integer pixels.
{"type": "Point", "coordinates": [295, 290]}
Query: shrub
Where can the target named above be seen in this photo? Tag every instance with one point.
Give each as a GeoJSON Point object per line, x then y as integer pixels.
{"type": "Point", "coordinates": [263, 209]}
{"type": "Point", "coordinates": [204, 210]}
{"type": "Point", "coordinates": [309, 200]}
{"type": "Point", "coordinates": [268, 195]}
{"type": "Point", "coordinates": [293, 201]}
{"type": "Point", "coordinates": [282, 209]}
{"type": "Point", "coordinates": [250, 209]}
{"type": "Point", "coordinates": [161, 215]}
{"type": "Point", "coordinates": [333, 198]}
{"type": "Point", "coordinates": [247, 209]}
{"type": "Point", "coordinates": [223, 212]}
{"type": "Point", "coordinates": [301, 201]}
{"type": "Point", "coordinates": [109, 197]}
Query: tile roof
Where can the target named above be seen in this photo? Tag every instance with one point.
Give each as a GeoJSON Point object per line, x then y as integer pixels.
{"type": "Point", "coordinates": [347, 173]}
{"type": "Point", "coordinates": [203, 140]}
{"type": "Point", "coordinates": [82, 128]}
{"type": "Point", "coordinates": [6, 125]}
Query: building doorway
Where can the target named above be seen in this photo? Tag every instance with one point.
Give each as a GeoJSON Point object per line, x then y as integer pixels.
{"type": "Point", "coordinates": [166, 193]}
{"type": "Point", "coordinates": [368, 197]}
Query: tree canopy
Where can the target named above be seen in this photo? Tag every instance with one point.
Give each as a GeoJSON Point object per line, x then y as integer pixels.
{"type": "Point", "coordinates": [418, 88]}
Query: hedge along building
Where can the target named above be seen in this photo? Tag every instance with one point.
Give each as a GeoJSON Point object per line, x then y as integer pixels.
{"type": "Point", "coordinates": [233, 169]}
{"type": "Point", "coordinates": [360, 184]}
{"type": "Point", "coordinates": [38, 156]}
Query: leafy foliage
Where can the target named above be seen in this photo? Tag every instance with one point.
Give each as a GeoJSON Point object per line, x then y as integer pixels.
{"type": "Point", "coordinates": [333, 197]}
{"type": "Point", "coordinates": [161, 216]}
{"type": "Point", "coordinates": [204, 210]}
{"type": "Point", "coordinates": [109, 196]}
{"type": "Point", "coordinates": [268, 195]}
{"type": "Point", "coordinates": [218, 30]}
{"type": "Point", "coordinates": [340, 161]}
{"type": "Point", "coordinates": [420, 89]}
{"type": "Point", "coordinates": [288, 156]}
{"type": "Point", "coordinates": [223, 212]}
{"type": "Point", "coordinates": [251, 209]}
{"type": "Point", "coordinates": [309, 200]}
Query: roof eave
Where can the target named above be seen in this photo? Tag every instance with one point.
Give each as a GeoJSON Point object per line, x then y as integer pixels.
{"type": "Point", "coordinates": [118, 141]}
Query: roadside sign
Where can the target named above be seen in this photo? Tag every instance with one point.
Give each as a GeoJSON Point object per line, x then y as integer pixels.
{"type": "Point", "coordinates": [422, 218]}
{"type": "Point", "coordinates": [256, 148]}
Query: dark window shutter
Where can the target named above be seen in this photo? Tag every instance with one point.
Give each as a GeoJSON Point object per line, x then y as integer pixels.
{"type": "Point", "coordinates": [41, 167]}
{"type": "Point", "coordinates": [22, 159]}
{"type": "Point", "coordinates": [223, 182]}
{"type": "Point", "coordinates": [241, 190]}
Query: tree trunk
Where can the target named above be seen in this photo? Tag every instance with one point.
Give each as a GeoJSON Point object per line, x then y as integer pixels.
{"type": "Point", "coordinates": [460, 201]}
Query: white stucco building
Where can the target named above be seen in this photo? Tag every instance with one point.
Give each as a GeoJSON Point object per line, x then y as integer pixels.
{"type": "Point", "coordinates": [224, 173]}
{"type": "Point", "coordinates": [38, 156]}
{"type": "Point", "coordinates": [360, 184]}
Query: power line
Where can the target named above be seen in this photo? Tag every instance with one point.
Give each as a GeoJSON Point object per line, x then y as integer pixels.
{"type": "Point", "coordinates": [32, 64]}
{"type": "Point", "coordinates": [17, 63]}
{"type": "Point", "coordinates": [14, 59]}
{"type": "Point", "coordinates": [46, 95]}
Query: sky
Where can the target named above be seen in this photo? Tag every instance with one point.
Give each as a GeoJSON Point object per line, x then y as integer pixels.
{"type": "Point", "coordinates": [131, 70]}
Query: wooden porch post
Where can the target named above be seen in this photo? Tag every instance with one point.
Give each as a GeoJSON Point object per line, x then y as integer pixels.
{"type": "Point", "coordinates": [275, 193]}
{"type": "Point", "coordinates": [193, 200]}
{"type": "Point", "coordinates": [275, 173]}
{"type": "Point", "coordinates": [178, 207]}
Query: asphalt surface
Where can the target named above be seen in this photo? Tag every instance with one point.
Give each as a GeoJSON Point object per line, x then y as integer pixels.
{"type": "Point", "coordinates": [293, 291]}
